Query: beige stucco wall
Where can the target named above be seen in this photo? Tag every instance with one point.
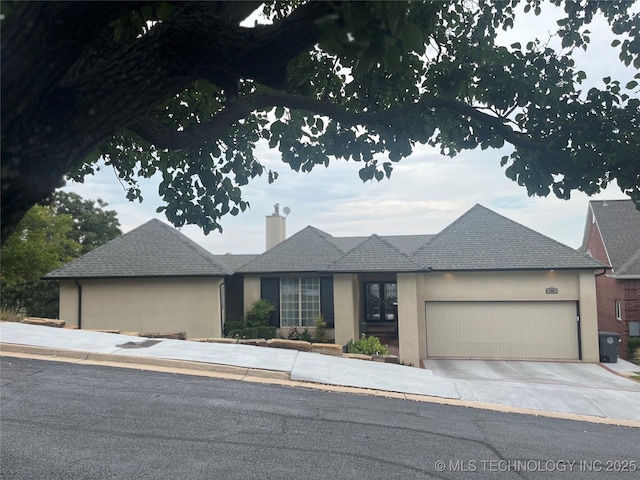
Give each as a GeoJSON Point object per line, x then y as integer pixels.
{"type": "Point", "coordinates": [414, 290]}
{"type": "Point", "coordinates": [346, 303]}
{"type": "Point", "coordinates": [588, 317]}
{"type": "Point", "coordinates": [191, 305]}
{"type": "Point", "coordinates": [69, 302]}
{"type": "Point", "coordinates": [501, 285]}
{"type": "Point", "coordinates": [412, 340]}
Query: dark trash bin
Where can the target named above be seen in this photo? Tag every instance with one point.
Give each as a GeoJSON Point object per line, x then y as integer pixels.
{"type": "Point", "coordinates": [608, 342]}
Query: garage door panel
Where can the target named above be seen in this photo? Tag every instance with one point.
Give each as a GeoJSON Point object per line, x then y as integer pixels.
{"type": "Point", "coordinates": [512, 330]}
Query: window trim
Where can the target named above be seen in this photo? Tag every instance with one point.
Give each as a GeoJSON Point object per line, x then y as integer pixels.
{"type": "Point", "coordinates": [618, 309]}
{"type": "Point", "coordinates": [300, 301]}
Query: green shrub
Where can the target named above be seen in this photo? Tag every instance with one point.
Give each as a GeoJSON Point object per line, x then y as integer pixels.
{"type": "Point", "coordinates": [294, 334]}
{"type": "Point", "coordinates": [633, 344]}
{"type": "Point", "coordinates": [367, 346]}
{"type": "Point", "coordinates": [266, 332]}
{"type": "Point", "coordinates": [235, 333]}
{"type": "Point", "coordinates": [635, 356]}
{"type": "Point", "coordinates": [260, 313]}
{"type": "Point", "coordinates": [232, 325]}
{"type": "Point", "coordinates": [321, 329]}
{"type": "Point", "coordinates": [12, 314]}
{"type": "Point", "coordinates": [250, 332]}
{"type": "Point", "coordinates": [305, 335]}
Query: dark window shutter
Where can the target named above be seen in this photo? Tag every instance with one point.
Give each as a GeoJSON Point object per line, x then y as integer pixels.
{"type": "Point", "coordinates": [270, 291]}
{"type": "Point", "coordinates": [326, 300]}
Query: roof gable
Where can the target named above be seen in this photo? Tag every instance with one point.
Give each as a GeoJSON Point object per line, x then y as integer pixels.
{"type": "Point", "coordinates": [374, 254]}
{"type": "Point", "coordinates": [234, 261]}
{"type": "Point", "coordinates": [484, 240]}
{"type": "Point", "coordinates": [309, 250]}
{"type": "Point", "coordinates": [154, 249]}
{"type": "Point", "coordinates": [407, 244]}
{"type": "Point", "coordinates": [619, 224]}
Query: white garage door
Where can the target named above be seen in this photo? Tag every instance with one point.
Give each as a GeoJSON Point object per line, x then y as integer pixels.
{"type": "Point", "coordinates": [508, 330]}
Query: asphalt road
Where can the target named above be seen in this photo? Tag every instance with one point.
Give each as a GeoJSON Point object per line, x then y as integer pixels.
{"type": "Point", "coordinates": [67, 421]}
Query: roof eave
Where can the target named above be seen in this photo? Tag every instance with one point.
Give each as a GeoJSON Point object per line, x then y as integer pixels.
{"type": "Point", "coordinates": [529, 269]}
{"type": "Point", "coordinates": [120, 277]}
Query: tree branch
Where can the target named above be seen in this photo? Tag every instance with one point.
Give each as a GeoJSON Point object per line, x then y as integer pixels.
{"type": "Point", "coordinates": [47, 38]}
{"type": "Point", "coordinates": [164, 136]}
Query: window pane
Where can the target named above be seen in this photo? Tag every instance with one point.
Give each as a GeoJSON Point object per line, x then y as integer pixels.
{"type": "Point", "coordinates": [289, 301]}
{"type": "Point", "coordinates": [310, 300]}
{"type": "Point", "coordinates": [299, 301]}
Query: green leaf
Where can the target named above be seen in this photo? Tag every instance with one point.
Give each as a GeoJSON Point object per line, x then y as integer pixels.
{"type": "Point", "coordinates": [632, 84]}
{"type": "Point", "coordinates": [164, 11]}
{"type": "Point", "coordinates": [413, 38]}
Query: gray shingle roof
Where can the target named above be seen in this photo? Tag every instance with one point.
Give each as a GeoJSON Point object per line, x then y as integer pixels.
{"type": "Point", "coordinates": [483, 240]}
{"type": "Point", "coordinates": [309, 250]}
{"type": "Point", "coordinates": [154, 249]}
{"type": "Point", "coordinates": [235, 261]}
{"type": "Point", "coordinates": [405, 243]}
{"type": "Point", "coordinates": [619, 225]}
{"type": "Point", "coordinates": [408, 244]}
{"type": "Point", "coordinates": [374, 254]}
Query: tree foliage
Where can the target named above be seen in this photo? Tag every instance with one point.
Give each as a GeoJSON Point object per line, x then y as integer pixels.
{"type": "Point", "coordinates": [93, 224]}
{"type": "Point", "coordinates": [184, 90]}
{"type": "Point", "coordinates": [39, 244]}
{"type": "Point", "coordinates": [46, 238]}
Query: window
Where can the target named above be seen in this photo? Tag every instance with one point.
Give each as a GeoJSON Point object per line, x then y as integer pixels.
{"type": "Point", "coordinates": [618, 309]}
{"type": "Point", "coordinates": [299, 301]}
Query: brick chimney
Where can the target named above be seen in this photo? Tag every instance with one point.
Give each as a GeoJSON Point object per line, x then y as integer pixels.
{"type": "Point", "coordinates": [276, 227]}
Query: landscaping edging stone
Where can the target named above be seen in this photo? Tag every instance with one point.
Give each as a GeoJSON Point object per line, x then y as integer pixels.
{"type": "Point", "coordinates": [327, 349]}
{"type": "Point", "coordinates": [171, 335]}
{"type": "Point", "coordinates": [44, 322]}
{"type": "Point", "coordinates": [385, 358]}
{"type": "Point", "coordinates": [299, 345]}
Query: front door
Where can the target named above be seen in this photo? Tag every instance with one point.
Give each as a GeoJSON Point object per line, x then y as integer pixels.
{"type": "Point", "coordinates": [381, 302]}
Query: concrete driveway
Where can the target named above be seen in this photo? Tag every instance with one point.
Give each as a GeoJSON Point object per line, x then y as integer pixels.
{"type": "Point", "coordinates": [552, 373]}
{"type": "Point", "coordinates": [585, 388]}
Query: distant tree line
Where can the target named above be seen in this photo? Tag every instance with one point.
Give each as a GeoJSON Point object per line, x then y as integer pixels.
{"type": "Point", "coordinates": [46, 238]}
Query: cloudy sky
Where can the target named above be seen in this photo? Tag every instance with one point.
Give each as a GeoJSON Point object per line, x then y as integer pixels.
{"type": "Point", "coordinates": [425, 193]}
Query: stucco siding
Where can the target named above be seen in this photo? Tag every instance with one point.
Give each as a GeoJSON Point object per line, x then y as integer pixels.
{"type": "Point", "coordinates": [411, 321]}
{"type": "Point", "coordinates": [501, 286]}
{"type": "Point", "coordinates": [68, 302]}
{"type": "Point", "coordinates": [588, 317]}
{"type": "Point", "coordinates": [346, 301]}
{"type": "Point", "coordinates": [147, 305]}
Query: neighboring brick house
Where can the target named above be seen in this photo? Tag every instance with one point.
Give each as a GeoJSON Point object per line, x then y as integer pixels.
{"type": "Point", "coordinates": [612, 236]}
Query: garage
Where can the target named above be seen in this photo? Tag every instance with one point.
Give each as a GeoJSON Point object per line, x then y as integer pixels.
{"type": "Point", "coordinates": [535, 330]}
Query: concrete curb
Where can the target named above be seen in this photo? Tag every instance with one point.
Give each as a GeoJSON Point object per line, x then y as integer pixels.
{"type": "Point", "coordinates": [114, 359]}
{"type": "Point", "coordinates": [269, 377]}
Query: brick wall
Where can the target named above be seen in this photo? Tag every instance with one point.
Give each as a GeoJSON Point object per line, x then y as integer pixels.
{"type": "Point", "coordinates": [630, 309]}
{"type": "Point", "coordinates": [608, 290]}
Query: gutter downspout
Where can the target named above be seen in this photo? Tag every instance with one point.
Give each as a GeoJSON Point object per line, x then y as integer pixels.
{"type": "Point", "coordinates": [222, 305]}
{"type": "Point", "coordinates": [79, 303]}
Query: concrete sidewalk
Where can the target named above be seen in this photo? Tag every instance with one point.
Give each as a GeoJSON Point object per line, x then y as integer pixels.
{"type": "Point", "coordinates": [566, 390]}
